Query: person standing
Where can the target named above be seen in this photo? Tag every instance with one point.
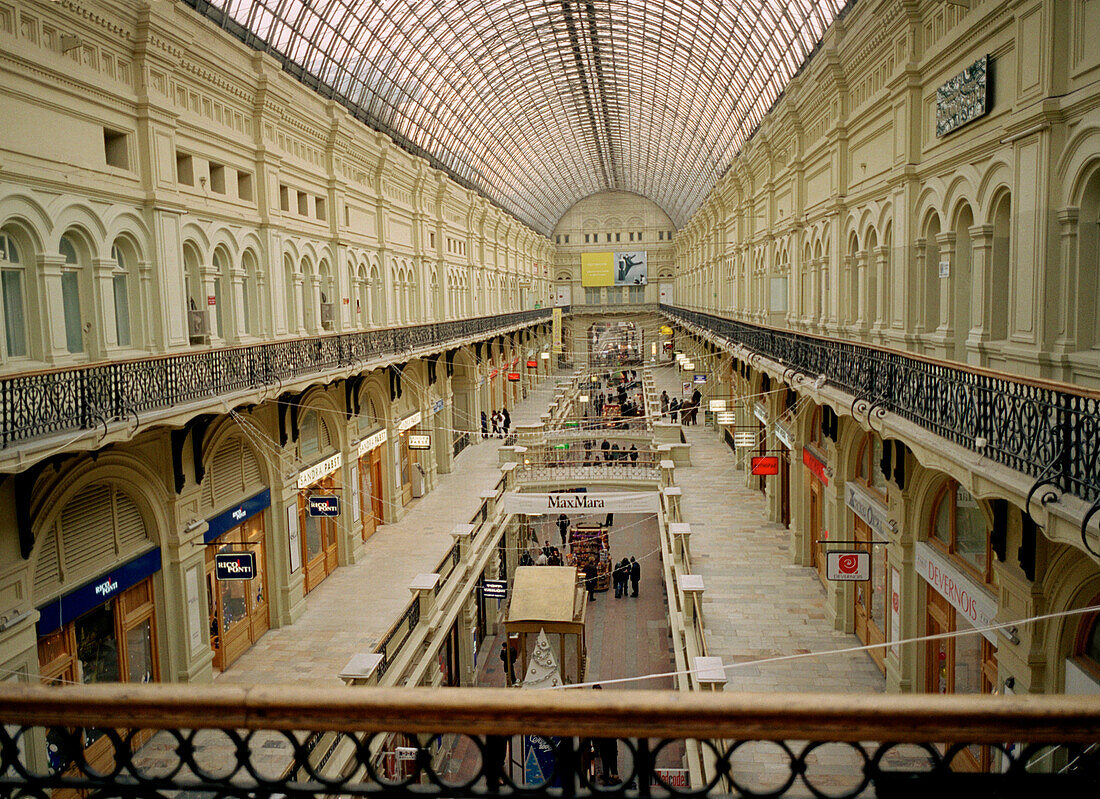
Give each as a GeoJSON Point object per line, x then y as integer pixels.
{"type": "Point", "coordinates": [664, 402]}
{"type": "Point", "coordinates": [506, 418]}
{"type": "Point", "coordinates": [484, 425]}
{"type": "Point", "coordinates": [494, 420]}
{"type": "Point", "coordinates": [635, 576]}
{"type": "Point", "coordinates": [508, 656]}
{"type": "Point", "coordinates": [674, 409]}
{"type": "Point", "coordinates": [563, 527]}
{"type": "Point", "coordinates": [590, 581]}
{"type": "Point", "coordinates": [633, 454]}
{"type": "Point", "coordinates": [605, 447]}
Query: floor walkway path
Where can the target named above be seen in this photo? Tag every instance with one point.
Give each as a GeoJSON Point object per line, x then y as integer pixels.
{"type": "Point", "coordinates": [355, 606]}
{"type": "Point", "coordinates": [757, 604]}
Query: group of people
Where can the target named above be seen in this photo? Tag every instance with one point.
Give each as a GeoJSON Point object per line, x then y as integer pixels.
{"type": "Point", "coordinates": [500, 420]}
{"type": "Point", "coordinates": [610, 452]}
{"type": "Point", "coordinates": [548, 556]}
{"type": "Point", "coordinates": [627, 569]}
{"type": "Point", "coordinates": [688, 410]}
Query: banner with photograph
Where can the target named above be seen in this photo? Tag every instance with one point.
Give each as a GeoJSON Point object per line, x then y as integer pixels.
{"type": "Point", "coordinates": [631, 268]}
{"type": "Point", "coordinates": [597, 269]}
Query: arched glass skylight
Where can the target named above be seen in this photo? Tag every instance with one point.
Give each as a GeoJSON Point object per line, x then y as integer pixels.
{"type": "Point", "coordinates": [539, 103]}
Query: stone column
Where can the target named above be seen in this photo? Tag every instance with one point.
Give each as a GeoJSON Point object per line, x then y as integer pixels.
{"type": "Point", "coordinates": [235, 322]}
{"type": "Point", "coordinates": [945, 331]}
{"type": "Point", "coordinates": [882, 319]}
{"type": "Point", "coordinates": [298, 307]}
{"type": "Point", "coordinates": [921, 322]}
{"type": "Point", "coordinates": [1069, 296]}
{"type": "Point", "coordinates": [209, 275]}
{"type": "Point", "coordinates": [862, 321]}
{"type": "Point", "coordinates": [103, 333]}
{"type": "Point", "coordinates": [51, 316]}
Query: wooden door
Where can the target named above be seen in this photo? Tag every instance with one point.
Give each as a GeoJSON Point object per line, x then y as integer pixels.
{"type": "Point", "coordinates": [366, 497]}
{"type": "Point", "coordinates": [318, 538]}
{"type": "Point", "coordinates": [818, 546]}
{"type": "Point", "coordinates": [785, 488]}
{"type": "Point", "coordinates": [259, 614]}
{"type": "Point", "coordinates": [863, 598]}
{"type": "Point", "coordinates": [376, 486]}
{"type": "Point", "coordinates": [406, 468]}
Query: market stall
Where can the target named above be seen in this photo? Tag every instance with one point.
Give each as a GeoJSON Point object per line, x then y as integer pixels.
{"type": "Point", "coordinates": [553, 599]}
{"type": "Point", "coordinates": [588, 545]}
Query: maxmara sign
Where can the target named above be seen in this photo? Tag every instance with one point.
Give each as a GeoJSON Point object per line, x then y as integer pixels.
{"type": "Point", "coordinates": [571, 504]}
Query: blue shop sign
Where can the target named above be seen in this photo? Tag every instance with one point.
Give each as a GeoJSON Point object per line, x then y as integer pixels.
{"type": "Point", "coordinates": [323, 505]}
{"type": "Point", "coordinates": [437, 406]}
{"type": "Point", "coordinates": [95, 592]}
{"type": "Point", "coordinates": [225, 522]}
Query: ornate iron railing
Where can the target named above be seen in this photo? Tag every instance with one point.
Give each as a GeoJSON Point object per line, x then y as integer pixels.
{"type": "Point", "coordinates": [240, 741]}
{"type": "Point", "coordinates": [83, 397]}
{"type": "Point", "coordinates": [1048, 431]}
{"type": "Point", "coordinates": [542, 471]}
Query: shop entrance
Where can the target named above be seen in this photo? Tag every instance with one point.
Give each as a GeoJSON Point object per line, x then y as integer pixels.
{"type": "Point", "coordinates": [239, 612]}
{"type": "Point", "coordinates": [785, 487]}
{"type": "Point", "coordinates": [869, 598]}
{"type": "Point", "coordinates": [370, 491]}
{"type": "Point", "coordinates": [319, 541]}
{"type": "Point", "coordinates": [408, 465]}
{"type": "Point", "coordinates": [817, 545]}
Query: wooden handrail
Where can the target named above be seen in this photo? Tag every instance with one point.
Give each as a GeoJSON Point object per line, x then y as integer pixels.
{"type": "Point", "coordinates": [916, 718]}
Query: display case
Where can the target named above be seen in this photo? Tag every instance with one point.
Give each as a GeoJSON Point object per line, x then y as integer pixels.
{"type": "Point", "coordinates": [588, 545]}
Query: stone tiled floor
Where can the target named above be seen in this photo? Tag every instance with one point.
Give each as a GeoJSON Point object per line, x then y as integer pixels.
{"type": "Point", "coordinates": [757, 604]}
{"type": "Point", "coordinates": [354, 607]}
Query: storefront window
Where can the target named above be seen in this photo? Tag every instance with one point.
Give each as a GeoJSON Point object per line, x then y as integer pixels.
{"type": "Point", "coordinates": [314, 543]}
{"type": "Point", "coordinates": [968, 658]}
{"type": "Point", "coordinates": [1091, 649]}
{"type": "Point", "coordinates": [962, 527]}
{"type": "Point", "coordinates": [878, 591]}
{"type": "Point", "coordinates": [97, 646]}
{"type": "Point", "coordinates": [139, 651]}
{"type": "Point", "coordinates": [234, 602]}
{"type": "Point", "coordinates": [878, 479]}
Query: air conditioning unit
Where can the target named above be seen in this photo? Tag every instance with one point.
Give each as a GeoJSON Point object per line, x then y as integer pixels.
{"type": "Point", "coordinates": [198, 328]}
{"type": "Point", "coordinates": [328, 315]}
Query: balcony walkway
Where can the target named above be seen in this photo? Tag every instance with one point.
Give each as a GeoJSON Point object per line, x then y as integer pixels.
{"type": "Point", "coordinates": [356, 605]}
{"type": "Point", "coordinates": [757, 604]}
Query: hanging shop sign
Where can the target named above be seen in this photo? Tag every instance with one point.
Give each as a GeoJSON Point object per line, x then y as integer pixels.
{"type": "Point", "coordinates": [977, 604]}
{"type": "Point", "coordinates": [239, 514]}
{"type": "Point", "coordinates": [494, 373]}
{"type": "Point", "coordinates": [700, 378]}
{"type": "Point", "coordinates": [420, 441]}
{"type": "Point", "coordinates": [95, 592]}
{"type": "Point", "coordinates": [725, 417]}
{"type": "Point", "coordinates": [235, 566]}
{"type": "Point", "coordinates": [848, 566]}
{"type": "Point", "coordinates": [437, 406]}
{"type": "Point", "coordinates": [717, 405]}
{"type": "Point", "coordinates": [572, 504]}
{"type": "Point", "coordinates": [784, 435]}
{"type": "Point", "coordinates": [760, 412]}
{"type": "Point", "coordinates": [532, 363]}
{"type": "Point", "coordinates": [323, 505]}
{"type": "Point", "coordinates": [412, 420]}
{"type": "Point", "coordinates": [373, 441]}
{"type": "Point", "coordinates": [513, 377]}
{"type": "Point", "coordinates": [815, 465]}
{"type": "Point", "coordinates": [964, 98]}
{"type": "Point", "coordinates": [494, 589]}
{"type": "Point", "coordinates": [744, 440]}
{"type": "Point", "coordinates": [308, 477]}
{"type": "Point", "coordinates": [869, 509]}
{"type": "Point", "coordinates": [765, 465]}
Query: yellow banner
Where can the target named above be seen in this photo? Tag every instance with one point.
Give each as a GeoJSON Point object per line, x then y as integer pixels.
{"type": "Point", "coordinates": [597, 269]}
{"type": "Point", "coordinates": [555, 330]}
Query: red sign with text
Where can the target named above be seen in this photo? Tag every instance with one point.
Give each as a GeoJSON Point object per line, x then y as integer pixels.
{"type": "Point", "coordinates": [532, 364]}
{"type": "Point", "coordinates": [513, 377]}
{"type": "Point", "coordinates": [815, 466]}
{"type": "Point", "coordinates": [765, 464]}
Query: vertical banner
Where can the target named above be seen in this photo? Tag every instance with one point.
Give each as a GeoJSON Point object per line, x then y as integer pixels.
{"type": "Point", "coordinates": [555, 334]}
{"type": "Point", "coordinates": [354, 477]}
{"type": "Point", "coordinates": [294, 542]}
{"type": "Point", "coordinates": [895, 611]}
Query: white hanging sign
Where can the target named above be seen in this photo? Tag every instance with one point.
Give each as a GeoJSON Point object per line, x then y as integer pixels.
{"type": "Point", "coordinates": [869, 509]}
{"type": "Point", "coordinates": [409, 421]}
{"type": "Point", "coordinates": [744, 440]}
{"type": "Point", "coordinates": [760, 412]}
{"type": "Point", "coordinates": [572, 504]}
{"type": "Point", "coordinates": [977, 604]}
{"type": "Point", "coordinates": [308, 477]}
{"type": "Point", "coordinates": [784, 435]}
{"type": "Point", "coordinates": [372, 441]}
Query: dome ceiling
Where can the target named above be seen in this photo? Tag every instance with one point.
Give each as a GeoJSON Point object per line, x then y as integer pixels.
{"type": "Point", "coordinates": [537, 104]}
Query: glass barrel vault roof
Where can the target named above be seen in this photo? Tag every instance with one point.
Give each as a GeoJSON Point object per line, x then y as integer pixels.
{"type": "Point", "coordinates": [538, 103]}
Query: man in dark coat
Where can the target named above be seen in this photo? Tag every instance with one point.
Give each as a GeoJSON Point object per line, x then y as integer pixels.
{"type": "Point", "coordinates": [508, 655]}
{"type": "Point", "coordinates": [635, 576]}
{"type": "Point", "coordinates": [563, 527]}
{"type": "Point", "coordinates": [590, 581]}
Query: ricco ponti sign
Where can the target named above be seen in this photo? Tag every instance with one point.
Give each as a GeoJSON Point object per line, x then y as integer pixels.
{"type": "Point", "coordinates": [977, 605]}
{"type": "Point", "coordinates": [572, 504]}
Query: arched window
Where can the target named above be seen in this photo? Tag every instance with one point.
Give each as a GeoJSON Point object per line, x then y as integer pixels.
{"type": "Point", "coordinates": [307, 319]}
{"type": "Point", "coordinates": [222, 315]}
{"type": "Point", "coordinates": [120, 281]}
{"type": "Point", "coordinates": [1087, 654]}
{"type": "Point", "coordinates": [868, 464]}
{"type": "Point", "coordinates": [960, 526]}
{"type": "Point", "coordinates": [816, 436]}
{"type": "Point", "coordinates": [377, 298]}
{"type": "Point", "coordinates": [308, 436]}
{"type": "Point", "coordinates": [251, 321]}
{"type": "Point", "coordinates": [70, 295]}
{"type": "Point", "coordinates": [13, 307]}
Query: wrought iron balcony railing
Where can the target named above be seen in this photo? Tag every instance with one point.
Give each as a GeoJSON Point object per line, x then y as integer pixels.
{"type": "Point", "coordinates": [404, 743]}
{"type": "Point", "coordinates": [593, 468]}
{"type": "Point", "coordinates": [59, 400]}
{"type": "Point", "coordinates": [1048, 431]}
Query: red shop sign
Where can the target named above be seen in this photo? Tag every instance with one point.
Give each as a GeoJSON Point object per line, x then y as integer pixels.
{"type": "Point", "coordinates": [513, 377]}
{"type": "Point", "coordinates": [532, 364]}
{"type": "Point", "coordinates": [814, 465]}
{"type": "Point", "coordinates": [765, 464]}
{"type": "Point", "coordinates": [494, 373]}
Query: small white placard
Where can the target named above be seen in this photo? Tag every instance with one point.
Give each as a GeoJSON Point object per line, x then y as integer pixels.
{"type": "Point", "coordinates": [354, 478]}
{"type": "Point", "coordinates": [854, 566]}
{"type": "Point", "coordinates": [293, 541]}
{"type": "Point", "coordinates": [717, 405]}
{"type": "Point", "coordinates": [744, 440]}
{"type": "Point", "coordinates": [945, 269]}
